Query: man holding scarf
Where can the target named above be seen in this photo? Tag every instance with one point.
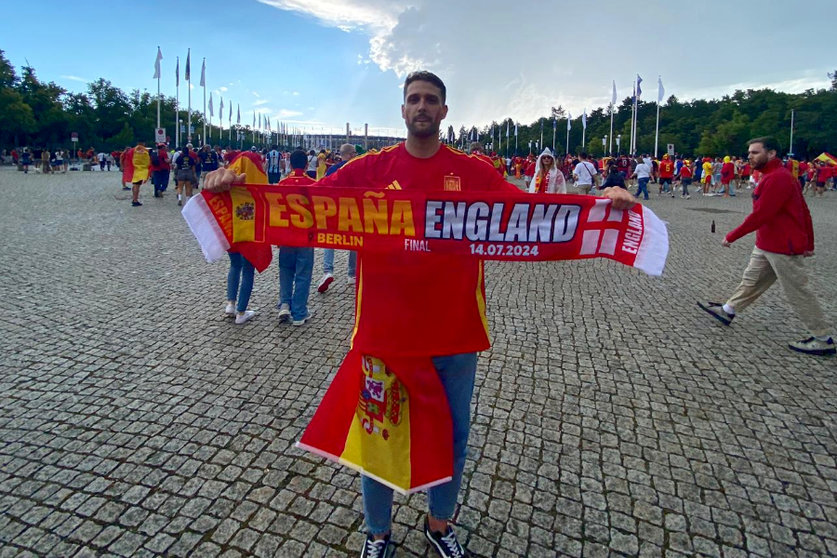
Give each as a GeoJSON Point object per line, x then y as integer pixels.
{"type": "Point", "coordinates": [424, 309]}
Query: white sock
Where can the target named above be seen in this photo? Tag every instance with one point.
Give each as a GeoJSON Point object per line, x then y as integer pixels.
{"type": "Point", "coordinates": [178, 197]}
{"type": "Point", "coordinates": [729, 309]}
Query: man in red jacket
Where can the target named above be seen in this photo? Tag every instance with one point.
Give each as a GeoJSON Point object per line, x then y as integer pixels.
{"type": "Point", "coordinates": [784, 237]}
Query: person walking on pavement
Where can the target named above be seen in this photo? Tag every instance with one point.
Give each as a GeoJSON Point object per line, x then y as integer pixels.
{"type": "Point", "coordinates": [347, 153]}
{"type": "Point", "coordinates": [784, 238]}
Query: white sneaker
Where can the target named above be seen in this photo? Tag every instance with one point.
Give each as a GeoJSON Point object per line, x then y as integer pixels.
{"type": "Point", "coordinates": [303, 320]}
{"type": "Point", "coordinates": [244, 317]}
{"type": "Point", "coordinates": [229, 309]}
{"type": "Point", "coordinates": [327, 280]}
{"type": "Point", "coordinates": [284, 313]}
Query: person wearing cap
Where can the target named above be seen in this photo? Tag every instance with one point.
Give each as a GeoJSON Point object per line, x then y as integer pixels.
{"type": "Point", "coordinates": [666, 174]}
{"type": "Point", "coordinates": [684, 175]}
{"type": "Point", "coordinates": [727, 174]}
{"type": "Point", "coordinates": [548, 179]}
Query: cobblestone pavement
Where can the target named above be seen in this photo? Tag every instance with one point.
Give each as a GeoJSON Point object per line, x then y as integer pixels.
{"type": "Point", "coordinates": [612, 417]}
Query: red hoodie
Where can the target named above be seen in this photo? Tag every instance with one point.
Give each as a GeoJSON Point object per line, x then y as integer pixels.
{"type": "Point", "coordinates": [780, 215]}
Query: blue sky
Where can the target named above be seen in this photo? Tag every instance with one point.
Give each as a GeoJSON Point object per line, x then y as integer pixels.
{"type": "Point", "coordinates": [319, 64]}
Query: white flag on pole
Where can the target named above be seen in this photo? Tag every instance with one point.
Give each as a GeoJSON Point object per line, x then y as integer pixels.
{"type": "Point", "coordinates": [661, 92]}
{"type": "Point", "coordinates": [569, 121]}
{"type": "Point", "coordinates": [157, 64]}
{"type": "Point", "coordinates": [203, 73]}
{"type": "Point", "coordinates": [211, 113]}
{"type": "Point", "coordinates": [584, 119]}
{"type": "Point", "coordinates": [613, 98]}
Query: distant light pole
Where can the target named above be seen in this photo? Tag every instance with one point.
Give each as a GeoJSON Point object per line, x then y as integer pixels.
{"type": "Point", "coordinates": [604, 145]}
{"type": "Point", "coordinates": [618, 142]}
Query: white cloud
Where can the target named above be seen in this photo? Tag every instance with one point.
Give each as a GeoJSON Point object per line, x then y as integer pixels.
{"type": "Point", "coordinates": [76, 78]}
{"type": "Point", "coordinates": [255, 93]}
{"type": "Point", "coordinates": [261, 102]}
{"type": "Point", "coordinates": [494, 68]}
{"type": "Point", "coordinates": [287, 113]}
{"type": "Point", "coordinates": [222, 89]}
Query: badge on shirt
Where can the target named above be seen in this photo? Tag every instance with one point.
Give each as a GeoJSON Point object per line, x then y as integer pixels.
{"type": "Point", "coordinates": [452, 184]}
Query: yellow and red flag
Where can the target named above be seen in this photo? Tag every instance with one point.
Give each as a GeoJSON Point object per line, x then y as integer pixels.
{"type": "Point", "coordinates": [389, 420]}
{"type": "Point", "coordinates": [211, 215]}
{"type": "Point", "coordinates": [827, 158]}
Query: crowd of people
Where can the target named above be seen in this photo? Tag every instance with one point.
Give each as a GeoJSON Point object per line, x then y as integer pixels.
{"type": "Point", "coordinates": [718, 176]}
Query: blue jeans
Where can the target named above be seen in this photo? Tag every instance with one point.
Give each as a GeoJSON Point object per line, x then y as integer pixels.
{"type": "Point", "coordinates": [457, 373]}
{"type": "Point", "coordinates": [241, 271]}
{"type": "Point", "coordinates": [295, 267]}
{"type": "Point", "coordinates": [642, 186]}
{"type": "Point", "coordinates": [328, 262]}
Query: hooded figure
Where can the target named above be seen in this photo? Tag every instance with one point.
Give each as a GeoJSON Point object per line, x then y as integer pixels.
{"type": "Point", "coordinates": [547, 178]}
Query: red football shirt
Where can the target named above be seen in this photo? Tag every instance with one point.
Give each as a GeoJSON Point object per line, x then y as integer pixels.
{"type": "Point", "coordinates": [418, 303]}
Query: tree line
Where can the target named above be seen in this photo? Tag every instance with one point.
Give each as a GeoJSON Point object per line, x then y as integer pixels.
{"type": "Point", "coordinates": [44, 114]}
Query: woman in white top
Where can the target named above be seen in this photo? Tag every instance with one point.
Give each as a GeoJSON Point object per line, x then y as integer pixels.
{"type": "Point", "coordinates": [548, 178]}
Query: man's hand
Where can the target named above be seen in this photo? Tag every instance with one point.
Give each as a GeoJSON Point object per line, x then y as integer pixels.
{"type": "Point", "coordinates": [726, 243]}
{"type": "Point", "coordinates": [221, 180]}
{"type": "Point", "coordinates": [621, 198]}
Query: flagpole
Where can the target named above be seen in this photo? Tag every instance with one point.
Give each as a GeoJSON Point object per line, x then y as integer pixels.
{"type": "Point", "coordinates": [203, 79]}
{"type": "Point", "coordinates": [610, 142]}
{"type": "Point", "coordinates": [541, 146]}
{"type": "Point", "coordinates": [790, 144]}
{"type": "Point", "coordinates": [568, 133]}
{"type": "Point", "coordinates": [584, 132]}
{"type": "Point", "coordinates": [189, 105]}
{"type": "Point", "coordinates": [554, 132]}
{"type": "Point", "coordinates": [177, 106]}
{"type": "Point", "coordinates": [158, 91]}
{"type": "Point", "coordinates": [633, 124]}
{"type": "Point", "coordinates": [657, 131]}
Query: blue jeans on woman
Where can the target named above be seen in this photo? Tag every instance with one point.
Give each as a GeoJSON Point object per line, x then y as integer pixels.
{"type": "Point", "coordinates": [295, 267]}
{"type": "Point", "coordinates": [241, 271]}
{"type": "Point", "coordinates": [457, 373]}
{"type": "Point", "coordinates": [642, 186]}
{"type": "Point", "coordinates": [328, 262]}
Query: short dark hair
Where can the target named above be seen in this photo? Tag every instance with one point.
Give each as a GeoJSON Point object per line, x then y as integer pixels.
{"type": "Point", "coordinates": [583, 155]}
{"type": "Point", "coordinates": [769, 142]}
{"type": "Point", "coordinates": [299, 159]}
{"type": "Point", "coordinates": [424, 75]}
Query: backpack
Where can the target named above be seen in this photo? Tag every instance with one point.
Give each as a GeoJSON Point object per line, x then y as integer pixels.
{"type": "Point", "coordinates": [155, 157]}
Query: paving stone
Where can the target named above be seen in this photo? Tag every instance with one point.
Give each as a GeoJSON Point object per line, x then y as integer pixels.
{"type": "Point", "coordinates": [614, 435]}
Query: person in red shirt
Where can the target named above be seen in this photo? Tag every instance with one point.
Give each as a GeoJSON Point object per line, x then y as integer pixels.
{"type": "Point", "coordinates": [727, 174]}
{"type": "Point", "coordinates": [296, 263]}
{"type": "Point", "coordinates": [685, 176]}
{"type": "Point", "coordinates": [803, 172]}
{"type": "Point", "coordinates": [126, 166]}
{"type": "Point", "coordinates": [784, 238]}
{"type": "Point", "coordinates": [416, 303]}
{"type": "Point", "coordinates": [666, 174]}
{"type": "Point", "coordinates": [821, 176]}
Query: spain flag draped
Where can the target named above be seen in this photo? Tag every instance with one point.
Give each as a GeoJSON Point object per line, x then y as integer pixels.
{"type": "Point", "coordinates": [211, 215]}
{"type": "Point", "coordinates": [389, 420]}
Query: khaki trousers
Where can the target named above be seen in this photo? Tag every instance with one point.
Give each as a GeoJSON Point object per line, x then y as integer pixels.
{"type": "Point", "coordinates": [763, 270]}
